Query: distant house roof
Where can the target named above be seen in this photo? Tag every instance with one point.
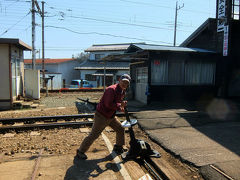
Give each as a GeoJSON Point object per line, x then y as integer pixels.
{"type": "Point", "coordinates": [134, 51]}
{"type": "Point", "coordinates": [96, 65]}
{"type": "Point", "coordinates": [109, 47]}
{"type": "Point", "coordinates": [151, 47]}
{"type": "Point", "coordinates": [49, 61]}
{"type": "Point", "coordinates": [16, 42]}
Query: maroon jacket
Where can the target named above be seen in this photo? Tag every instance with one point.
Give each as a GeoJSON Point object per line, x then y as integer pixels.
{"type": "Point", "coordinates": [111, 101]}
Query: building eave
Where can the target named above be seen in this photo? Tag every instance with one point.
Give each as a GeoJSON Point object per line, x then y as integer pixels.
{"type": "Point", "coordinates": [16, 42]}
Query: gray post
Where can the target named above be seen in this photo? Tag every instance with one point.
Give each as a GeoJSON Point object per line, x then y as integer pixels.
{"type": "Point", "coordinates": [43, 63]}
{"type": "Point", "coordinates": [175, 26]}
{"type": "Point", "coordinates": [33, 36]}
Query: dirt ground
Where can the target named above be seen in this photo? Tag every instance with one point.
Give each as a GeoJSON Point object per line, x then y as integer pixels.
{"type": "Point", "coordinates": [66, 141]}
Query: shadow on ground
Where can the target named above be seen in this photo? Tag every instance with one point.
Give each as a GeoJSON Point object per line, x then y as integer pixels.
{"type": "Point", "coordinates": [89, 169]}
{"type": "Point", "coordinates": [222, 128]}
{"type": "Point", "coordinates": [217, 119]}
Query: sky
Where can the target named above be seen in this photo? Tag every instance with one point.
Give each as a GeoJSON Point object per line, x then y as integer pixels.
{"type": "Point", "coordinates": [71, 26]}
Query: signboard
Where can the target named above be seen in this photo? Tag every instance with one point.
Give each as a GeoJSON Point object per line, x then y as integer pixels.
{"type": "Point", "coordinates": [221, 12]}
{"type": "Point", "coordinates": [225, 41]}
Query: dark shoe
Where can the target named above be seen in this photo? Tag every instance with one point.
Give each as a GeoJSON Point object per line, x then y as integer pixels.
{"type": "Point", "coordinates": [81, 155]}
{"type": "Point", "coordinates": [118, 149]}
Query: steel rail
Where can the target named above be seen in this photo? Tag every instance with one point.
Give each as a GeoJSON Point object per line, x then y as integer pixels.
{"type": "Point", "coordinates": [150, 168]}
{"type": "Point", "coordinates": [42, 118]}
{"type": "Point", "coordinates": [157, 169]}
{"type": "Point", "coordinates": [45, 126]}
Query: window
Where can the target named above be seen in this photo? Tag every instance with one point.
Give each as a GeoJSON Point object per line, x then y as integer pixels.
{"type": "Point", "coordinates": [159, 72]}
{"type": "Point", "coordinates": [182, 72]}
{"type": "Point", "coordinates": [235, 9]}
{"type": "Point", "coordinates": [98, 56]}
{"type": "Point", "coordinates": [199, 73]}
{"type": "Point", "coordinates": [90, 77]}
{"type": "Point", "coordinates": [142, 75]}
{"type": "Point", "coordinates": [74, 83]}
{"type": "Point", "coordinates": [18, 67]}
{"type": "Point", "coordinates": [175, 72]}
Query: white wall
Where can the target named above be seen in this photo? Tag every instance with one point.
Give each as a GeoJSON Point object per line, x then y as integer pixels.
{"type": "Point", "coordinates": [57, 81]}
{"type": "Point", "coordinates": [68, 71]}
{"type": "Point", "coordinates": [52, 68]}
{"type": "Point", "coordinates": [32, 83]}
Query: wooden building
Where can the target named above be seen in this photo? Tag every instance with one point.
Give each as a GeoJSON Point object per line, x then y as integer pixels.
{"type": "Point", "coordinates": [227, 46]}
{"type": "Point", "coordinates": [171, 73]}
{"type": "Point", "coordinates": [12, 70]}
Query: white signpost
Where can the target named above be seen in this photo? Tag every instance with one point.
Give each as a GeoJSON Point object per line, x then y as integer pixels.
{"type": "Point", "coordinates": [225, 41]}
{"type": "Point", "coordinates": [221, 15]}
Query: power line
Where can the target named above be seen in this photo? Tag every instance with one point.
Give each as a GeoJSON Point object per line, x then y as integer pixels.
{"type": "Point", "coordinates": [106, 34]}
{"type": "Point", "coordinates": [15, 24]}
{"type": "Point", "coordinates": [64, 14]}
{"type": "Point", "coordinates": [123, 23]}
{"type": "Point", "coordinates": [14, 2]}
{"type": "Point", "coordinates": [117, 22]}
{"type": "Point", "coordinates": [155, 5]}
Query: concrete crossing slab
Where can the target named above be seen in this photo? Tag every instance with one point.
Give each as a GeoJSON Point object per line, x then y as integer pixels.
{"type": "Point", "coordinates": [196, 138]}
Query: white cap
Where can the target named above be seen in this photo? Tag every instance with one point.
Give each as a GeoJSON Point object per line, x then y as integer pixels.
{"type": "Point", "coordinates": [125, 77]}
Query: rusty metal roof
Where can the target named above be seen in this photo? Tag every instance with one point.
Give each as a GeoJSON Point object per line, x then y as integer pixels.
{"type": "Point", "coordinates": [49, 61]}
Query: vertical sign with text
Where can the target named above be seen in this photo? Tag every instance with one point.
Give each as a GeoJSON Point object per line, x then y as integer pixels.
{"type": "Point", "coordinates": [225, 41]}
{"type": "Point", "coordinates": [221, 12]}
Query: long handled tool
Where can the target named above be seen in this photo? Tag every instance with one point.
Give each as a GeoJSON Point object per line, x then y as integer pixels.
{"type": "Point", "coordinates": [138, 148]}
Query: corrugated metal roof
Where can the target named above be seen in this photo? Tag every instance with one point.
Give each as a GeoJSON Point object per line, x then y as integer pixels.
{"type": "Point", "coordinates": [91, 64]}
{"type": "Point", "coordinates": [108, 47]}
{"type": "Point", "coordinates": [48, 61]}
{"type": "Point", "coordinates": [167, 48]}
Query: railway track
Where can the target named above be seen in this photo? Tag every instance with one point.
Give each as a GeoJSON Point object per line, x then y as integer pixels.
{"type": "Point", "coordinates": [147, 165]}
{"type": "Point", "coordinates": [156, 168]}
{"type": "Point", "coordinates": [47, 122]}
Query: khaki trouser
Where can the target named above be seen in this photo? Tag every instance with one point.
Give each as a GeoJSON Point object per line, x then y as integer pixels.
{"type": "Point", "coordinates": [100, 123]}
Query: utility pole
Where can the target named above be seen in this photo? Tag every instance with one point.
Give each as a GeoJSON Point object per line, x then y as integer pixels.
{"type": "Point", "coordinates": [43, 63]}
{"type": "Point", "coordinates": [175, 26]}
{"type": "Point", "coordinates": [43, 60]}
{"type": "Point", "coordinates": [33, 37]}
